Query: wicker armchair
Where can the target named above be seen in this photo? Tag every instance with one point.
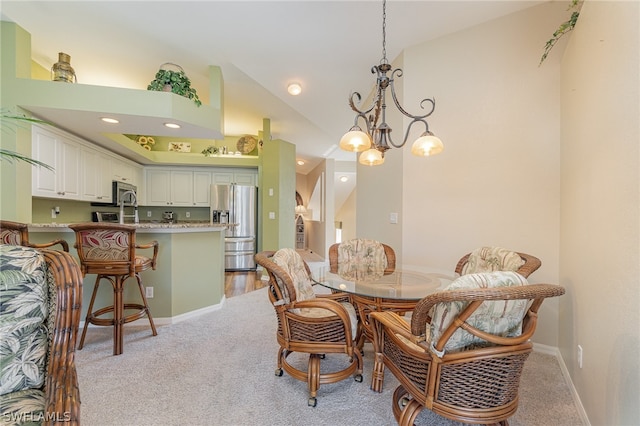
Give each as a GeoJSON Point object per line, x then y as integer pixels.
{"type": "Point", "coordinates": [355, 252]}
{"type": "Point", "coordinates": [41, 299]}
{"type": "Point", "coordinates": [17, 234]}
{"type": "Point", "coordinates": [353, 257]}
{"type": "Point", "coordinates": [317, 325]}
{"type": "Point", "coordinates": [109, 251]}
{"type": "Point", "coordinates": [465, 362]}
{"type": "Point", "coordinates": [494, 257]}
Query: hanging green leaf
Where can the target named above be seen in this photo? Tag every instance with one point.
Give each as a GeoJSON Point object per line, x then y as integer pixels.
{"type": "Point", "coordinates": [564, 28]}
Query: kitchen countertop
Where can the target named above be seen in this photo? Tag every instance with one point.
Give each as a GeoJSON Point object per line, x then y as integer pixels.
{"type": "Point", "coordinates": [142, 227]}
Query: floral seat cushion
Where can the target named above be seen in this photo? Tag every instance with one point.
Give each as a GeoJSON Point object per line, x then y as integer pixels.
{"type": "Point", "coordinates": [291, 261]}
{"type": "Point", "coordinates": [500, 317]}
{"type": "Point", "coordinates": [489, 259]}
{"type": "Point", "coordinates": [24, 340]}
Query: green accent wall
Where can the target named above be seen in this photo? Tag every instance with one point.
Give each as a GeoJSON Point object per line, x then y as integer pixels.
{"type": "Point", "coordinates": [189, 275]}
{"type": "Point", "coordinates": [278, 173]}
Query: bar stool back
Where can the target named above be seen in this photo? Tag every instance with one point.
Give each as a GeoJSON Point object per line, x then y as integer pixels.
{"type": "Point", "coordinates": [109, 251]}
{"type": "Point", "coordinates": [17, 234]}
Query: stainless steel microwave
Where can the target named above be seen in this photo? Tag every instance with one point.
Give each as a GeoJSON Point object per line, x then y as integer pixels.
{"type": "Point", "coordinates": [118, 191]}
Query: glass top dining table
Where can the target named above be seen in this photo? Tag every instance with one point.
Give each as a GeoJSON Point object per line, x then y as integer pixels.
{"type": "Point", "coordinates": [399, 284]}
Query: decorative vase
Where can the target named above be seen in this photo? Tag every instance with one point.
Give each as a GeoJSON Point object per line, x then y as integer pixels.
{"type": "Point", "coordinates": [62, 70]}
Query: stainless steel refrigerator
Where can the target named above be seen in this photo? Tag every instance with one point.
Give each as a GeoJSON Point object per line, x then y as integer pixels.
{"type": "Point", "coordinates": [236, 205]}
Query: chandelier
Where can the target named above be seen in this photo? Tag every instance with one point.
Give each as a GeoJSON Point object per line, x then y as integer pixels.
{"type": "Point", "coordinates": [376, 139]}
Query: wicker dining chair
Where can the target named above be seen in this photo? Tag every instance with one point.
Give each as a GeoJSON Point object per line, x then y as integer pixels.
{"type": "Point", "coordinates": [109, 251]}
{"type": "Point", "coordinates": [489, 259]}
{"type": "Point", "coordinates": [317, 325]}
{"type": "Point", "coordinates": [17, 234]}
{"type": "Point", "coordinates": [358, 256]}
{"type": "Point", "coordinates": [361, 252]}
{"type": "Point", "coordinates": [463, 353]}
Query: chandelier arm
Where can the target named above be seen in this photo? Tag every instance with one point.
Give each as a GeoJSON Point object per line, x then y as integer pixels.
{"type": "Point", "coordinates": [406, 133]}
{"type": "Point", "coordinates": [432, 101]}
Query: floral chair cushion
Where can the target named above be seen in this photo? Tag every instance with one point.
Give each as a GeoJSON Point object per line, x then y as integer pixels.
{"type": "Point", "coordinates": [489, 259]}
{"type": "Point", "coordinates": [24, 318]}
{"type": "Point", "coordinates": [500, 317]}
{"type": "Point", "coordinates": [289, 260]}
{"type": "Point", "coordinates": [361, 257]}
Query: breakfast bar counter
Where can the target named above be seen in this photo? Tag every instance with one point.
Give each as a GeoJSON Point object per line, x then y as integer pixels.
{"type": "Point", "coordinates": [189, 278]}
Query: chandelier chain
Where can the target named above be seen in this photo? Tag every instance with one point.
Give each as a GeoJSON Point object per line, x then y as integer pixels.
{"type": "Point", "coordinates": [376, 139]}
{"type": "Point", "coordinates": [384, 32]}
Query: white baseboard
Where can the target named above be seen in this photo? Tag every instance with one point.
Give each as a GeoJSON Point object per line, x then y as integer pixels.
{"type": "Point", "coordinates": [554, 351]}
{"type": "Point", "coordinates": [170, 320]}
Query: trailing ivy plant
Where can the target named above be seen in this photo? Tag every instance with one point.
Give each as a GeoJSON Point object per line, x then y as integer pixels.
{"type": "Point", "coordinates": [176, 82]}
{"type": "Point", "coordinates": [564, 28]}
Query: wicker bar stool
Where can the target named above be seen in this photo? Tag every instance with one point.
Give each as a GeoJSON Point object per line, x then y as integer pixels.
{"type": "Point", "coordinates": [17, 234]}
{"type": "Point", "coordinates": [109, 250]}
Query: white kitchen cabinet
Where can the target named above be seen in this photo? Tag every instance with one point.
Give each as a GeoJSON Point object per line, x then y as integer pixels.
{"type": "Point", "coordinates": [127, 172]}
{"type": "Point", "coordinates": [96, 172]}
{"type": "Point", "coordinates": [201, 188]}
{"type": "Point", "coordinates": [167, 187]}
{"type": "Point", "coordinates": [181, 188]}
{"type": "Point", "coordinates": [63, 154]}
{"type": "Point", "coordinates": [239, 177]}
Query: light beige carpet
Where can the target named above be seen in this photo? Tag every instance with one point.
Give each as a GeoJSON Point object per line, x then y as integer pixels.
{"type": "Point", "coordinates": [218, 369]}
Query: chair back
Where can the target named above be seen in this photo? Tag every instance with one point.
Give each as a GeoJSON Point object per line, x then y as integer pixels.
{"type": "Point", "coordinates": [105, 248]}
{"type": "Point", "coordinates": [13, 233]}
{"type": "Point", "coordinates": [289, 275]}
{"type": "Point", "coordinates": [360, 256]}
{"type": "Point", "coordinates": [491, 259]}
{"type": "Point", "coordinates": [17, 234]}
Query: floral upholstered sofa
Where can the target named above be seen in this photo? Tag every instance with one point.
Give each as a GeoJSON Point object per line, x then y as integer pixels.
{"type": "Point", "coordinates": [40, 302]}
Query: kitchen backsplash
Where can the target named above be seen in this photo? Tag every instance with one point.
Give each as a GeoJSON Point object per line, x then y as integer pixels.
{"type": "Point", "coordinates": [80, 211]}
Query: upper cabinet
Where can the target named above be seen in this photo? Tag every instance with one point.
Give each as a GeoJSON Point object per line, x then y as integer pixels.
{"type": "Point", "coordinates": [96, 174]}
{"type": "Point", "coordinates": [177, 187]}
{"type": "Point", "coordinates": [189, 186]}
{"type": "Point", "coordinates": [81, 171]}
{"type": "Point", "coordinates": [64, 156]}
{"type": "Point", "coordinates": [127, 172]}
{"type": "Point", "coordinates": [237, 176]}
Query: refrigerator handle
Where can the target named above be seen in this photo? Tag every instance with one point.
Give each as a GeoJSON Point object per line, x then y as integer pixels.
{"type": "Point", "coordinates": [232, 203]}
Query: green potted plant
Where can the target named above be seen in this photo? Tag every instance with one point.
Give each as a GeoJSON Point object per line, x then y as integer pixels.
{"type": "Point", "coordinates": [210, 150]}
{"type": "Point", "coordinates": [176, 81]}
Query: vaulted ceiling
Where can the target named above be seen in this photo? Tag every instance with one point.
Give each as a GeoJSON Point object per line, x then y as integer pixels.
{"type": "Point", "coordinates": [261, 46]}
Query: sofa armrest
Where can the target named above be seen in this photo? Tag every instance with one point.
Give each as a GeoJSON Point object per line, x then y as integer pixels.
{"type": "Point", "coordinates": [62, 395]}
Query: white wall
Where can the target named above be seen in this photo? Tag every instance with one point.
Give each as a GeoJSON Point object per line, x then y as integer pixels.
{"type": "Point", "coordinates": [498, 114]}
{"type": "Point", "coordinates": [346, 215]}
{"type": "Point", "coordinates": [600, 236]}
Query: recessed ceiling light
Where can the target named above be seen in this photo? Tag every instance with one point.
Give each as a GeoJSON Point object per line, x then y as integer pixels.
{"type": "Point", "coordinates": [294, 89]}
{"type": "Point", "coordinates": [300, 163]}
{"type": "Point", "coordinates": [172, 125]}
{"type": "Point", "coordinates": [343, 178]}
{"type": "Point", "coordinates": [109, 120]}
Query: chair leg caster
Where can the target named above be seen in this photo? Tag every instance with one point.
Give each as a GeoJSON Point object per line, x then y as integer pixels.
{"type": "Point", "coordinates": [312, 402]}
{"type": "Point", "coordinates": [279, 372]}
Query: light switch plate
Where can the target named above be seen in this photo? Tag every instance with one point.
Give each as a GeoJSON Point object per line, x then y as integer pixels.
{"type": "Point", "coordinates": [393, 218]}
{"type": "Point", "coordinates": [272, 215]}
